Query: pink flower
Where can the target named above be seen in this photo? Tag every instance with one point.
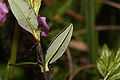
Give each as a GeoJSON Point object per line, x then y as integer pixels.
{"type": "Point", "coordinates": [3, 12]}
{"type": "Point", "coordinates": [43, 25]}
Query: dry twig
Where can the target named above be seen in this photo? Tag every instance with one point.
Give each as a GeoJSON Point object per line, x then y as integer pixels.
{"type": "Point", "coordinates": [80, 69]}
{"type": "Point", "coordinates": [111, 3]}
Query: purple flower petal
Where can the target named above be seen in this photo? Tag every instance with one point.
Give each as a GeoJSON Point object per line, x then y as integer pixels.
{"type": "Point", "coordinates": [43, 25]}
{"type": "Point", "coordinates": [44, 34]}
{"type": "Point", "coordinates": [3, 12]}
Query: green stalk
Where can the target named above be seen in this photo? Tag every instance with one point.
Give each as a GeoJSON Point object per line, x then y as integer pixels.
{"type": "Point", "coordinates": [12, 60]}
{"type": "Point", "coordinates": [88, 9]}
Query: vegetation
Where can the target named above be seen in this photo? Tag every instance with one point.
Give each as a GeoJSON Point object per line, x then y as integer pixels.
{"type": "Point", "coordinates": [59, 40]}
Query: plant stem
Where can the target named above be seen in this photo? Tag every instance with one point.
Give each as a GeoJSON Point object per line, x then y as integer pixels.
{"type": "Point", "coordinates": [40, 58]}
{"type": "Point", "coordinates": [90, 27]}
{"type": "Point", "coordinates": [12, 60]}
{"type": "Point", "coordinates": [89, 12]}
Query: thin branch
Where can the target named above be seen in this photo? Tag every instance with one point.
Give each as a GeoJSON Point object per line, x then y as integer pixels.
{"type": "Point", "coordinates": [40, 58]}
{"type": "Point", "coordinates": [107, 28]}
{"type": "Point", "coordinates": [75, 15]}
{"type": "Point", "coordinates": [26, 63]}
{"type": "Point", "coordinates": [80, 45]}
{"type": "Point", "coordinates": [80, 69]}
{"type": "Point", "coordinates": [14, 48]}
{"type": "Point", "coordinates": [111, 3]}
{"type": "Point", "coordinates": [102, 28]}
{"type": "Point", "coordinates": [70, 64]}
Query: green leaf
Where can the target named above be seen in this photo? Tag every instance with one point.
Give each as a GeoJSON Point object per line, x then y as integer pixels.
{"type": "Point", "coordinates": [24, 15]}
{"type": "Point", "coordinates": [35, 5]}
{"type": "Point", "coordinates": [58, 46]}
{"type": "Point", "coordinates": [103, 62]}
{"type": "Point", "coordinates": [115, 76]}
{"type": "Point", "coordinates": [109, 64]}
{"type": "Point", "coordinates": [63, 47]}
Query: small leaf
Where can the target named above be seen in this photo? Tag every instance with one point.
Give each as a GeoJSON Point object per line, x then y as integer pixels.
{"type": "Point", "coordinates": [115, 77]}
{"type": "Point", "coordinates": [35, 5]}
{"type": "Point", "coordinates": [103, 61]}
{"type": "Point", "coordinates": [24, 15]}
{"type": "Point", "coordinates": [63, 47]}
{"type": "Point", "coordinates": [59, 45]}
{"type": "Point", "coordinates": [109, 64]}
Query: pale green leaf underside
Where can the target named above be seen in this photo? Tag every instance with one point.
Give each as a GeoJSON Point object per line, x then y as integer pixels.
{"type": "Point", "coordinates": [59, 45]}
{"type": "Point", "coordinates": [35, 5]}
{"type": "Point", "coordinates": [24, 15]}
{"type": "Point", "coordinates": [63, 47]}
